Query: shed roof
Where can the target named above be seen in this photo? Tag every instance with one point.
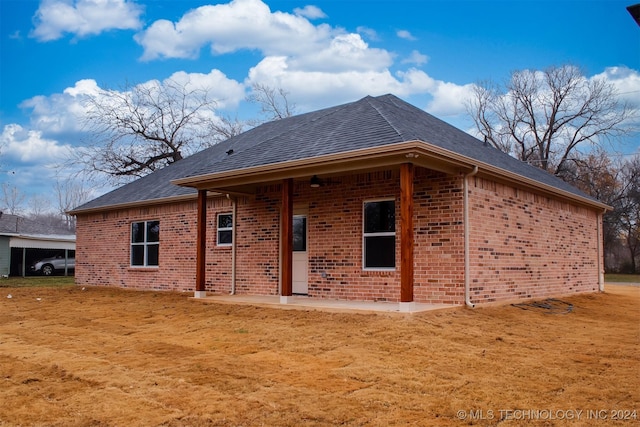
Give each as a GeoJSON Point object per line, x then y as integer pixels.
{"type": "Point", "coordinates": [15, 225]}
{"type": "Point", "coordinates": [381, 123]}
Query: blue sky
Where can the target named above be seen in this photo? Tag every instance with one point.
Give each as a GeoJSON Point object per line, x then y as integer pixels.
{"type": "Point", "coordinates": [323, 53]}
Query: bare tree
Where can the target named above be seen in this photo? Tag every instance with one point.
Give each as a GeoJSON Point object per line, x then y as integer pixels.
{"type": "Point", "coordinates": [146, 127]}
{"type": "Point", "coordinates": [630, 212]}
{"type": "Point", "coordinates": [70, 194]}
{"type": "Point", "coordinates": [39, 206]}
{"type": "Point", "coordinates": [543, 117]}
{"type": "Point", "coordinates": [616, 183]}
{"type": "Point", "coordinates": [274, 103]}
{"type": "Point", "coordinates": [12, 199]}
{"type": "Point", "coordinates": [226, 127]}
{"type": "Point", "coordinates": [598, 175]}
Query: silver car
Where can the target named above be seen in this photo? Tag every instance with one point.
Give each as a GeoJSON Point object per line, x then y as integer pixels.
{"type": "Point", "coordinates": [49, 266]}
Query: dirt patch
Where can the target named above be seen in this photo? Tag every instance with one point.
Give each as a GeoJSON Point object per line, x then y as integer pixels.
{"type": "Point", "coordinates": [108, 357]}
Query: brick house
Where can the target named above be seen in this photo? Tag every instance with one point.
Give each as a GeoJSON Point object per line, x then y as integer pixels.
{"type": "Point", "coordinates": [374, 200]}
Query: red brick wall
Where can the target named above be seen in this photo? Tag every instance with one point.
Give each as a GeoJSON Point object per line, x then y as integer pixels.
{"type": "Point", "coordinates": [522, 245]}
{"type": "Point", "coordinates": [103, 248]}
{"type": "Point", "coordinates": [525, 245]}
{"type": "Point", "coordinates": [439, 238]}
{"type": "Point", "coordinates": [258, 243]}
{"type": "Point", "coordinates": [335, 237]}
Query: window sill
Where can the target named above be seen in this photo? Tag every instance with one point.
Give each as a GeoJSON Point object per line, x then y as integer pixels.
{"type": "Point", "coordinates": [379, 270]}
{"type": "Point", "coordinates": [143, 268]}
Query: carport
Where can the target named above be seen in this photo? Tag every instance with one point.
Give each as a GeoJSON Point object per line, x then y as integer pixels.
{"type": "Point", "coordinates": [24, 250]}
{"type": "Point", "coordinates": [24, 241]}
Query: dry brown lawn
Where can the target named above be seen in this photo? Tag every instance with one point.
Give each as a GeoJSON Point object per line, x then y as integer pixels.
{"type": "Point", "coordinates": [108, 357]}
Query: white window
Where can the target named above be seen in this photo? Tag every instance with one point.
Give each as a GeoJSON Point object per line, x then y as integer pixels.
{"type": "Point", "coordinates": [225, 229]}
{"type": "Point", "coordinates": [379, 237]}
{"type": "Point", "coordinates": [145, 243]}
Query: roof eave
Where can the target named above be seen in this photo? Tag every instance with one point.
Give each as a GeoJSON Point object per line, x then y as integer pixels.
{"type": "Point", "coordinates": [513, 177]}
{"type": "Point", "coordinates": [134, 204]}
{"type": "Point", "coordinates": [433, 156]}
{"type": "Point", "coordinates": [517, 178]}
{"type": "Point", "coordinates": [49, 238]}
{"type": "Point", "coordinates": [368, 158]}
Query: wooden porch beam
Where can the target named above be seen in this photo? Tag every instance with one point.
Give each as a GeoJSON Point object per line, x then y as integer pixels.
{"type": "Point", "coordinates": [287, 237]}
{"type": "Point", "coordinates": [201, 242]}
{"type": "Point", "coordinates": [406, 232]}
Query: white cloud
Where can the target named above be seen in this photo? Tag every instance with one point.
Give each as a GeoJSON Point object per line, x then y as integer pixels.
{"type": "Point", "coordinates": [369, 33]}
{"type": "Point", "coordinates": [449, 98]}
{"type": "Point", "coordinates": [84, 17]}
{"type": "Point", "coordinates": [626, 81]}
{"type": "Point", "coordinates": [240, 24]}
{"type": "Point", "coordinates": [316, 89]}
{"type": "Point", "coordinates": [63, 113]}
{"type": "Point", "coordinates": [404, 34]}
{"type": "Point", "coordinates": [416, 58]}
{"type": "Point", "coordinates": [29, 146]}
{"type": "Point", "coordinates": [228, 93]}
{"type": "Point", "coordinates": [311, 12]}
{"type": "Point", "coordinates": [31, 162]}
{"type": "Point", "coordinates": [345, 52]}
{"type": "Point", "coordinates": [60, 112]}
{"type": "Point", "coordinates": [83, 87]}
{"type": "Point", "coordinates": [314, 64]}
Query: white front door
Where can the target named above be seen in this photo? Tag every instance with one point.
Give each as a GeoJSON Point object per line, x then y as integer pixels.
{"type": "Point", "coordinates": [300, 259]}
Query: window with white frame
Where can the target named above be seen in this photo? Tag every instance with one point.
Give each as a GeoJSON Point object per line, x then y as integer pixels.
{"type": "Point", "coordinates": [145, 243]}
{"type": "Point", "coordinates": [379, 237]}
{"type": "Point", "coordinates": [225, 229]}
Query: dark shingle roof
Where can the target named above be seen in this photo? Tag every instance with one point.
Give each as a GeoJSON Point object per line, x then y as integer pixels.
{"type": "Point", "coordinates": [369, 122]}
{"type": "Point", "coordinates": [17, 225]}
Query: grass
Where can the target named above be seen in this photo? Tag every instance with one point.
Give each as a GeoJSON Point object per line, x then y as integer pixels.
{"type": "Point", "coordinates": [622, 278]}
{"type": "Point", "coordinates": [37, 282]}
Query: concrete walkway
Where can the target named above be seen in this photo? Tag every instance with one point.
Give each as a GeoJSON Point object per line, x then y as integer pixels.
{"type": "Point", "coordinates": [306, 303]}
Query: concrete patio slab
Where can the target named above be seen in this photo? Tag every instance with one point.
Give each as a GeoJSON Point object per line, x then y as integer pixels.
{"type": "Point", "coordinates": [298, 302]}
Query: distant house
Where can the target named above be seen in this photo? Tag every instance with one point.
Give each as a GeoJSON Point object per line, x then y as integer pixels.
{"type": "Point", "coordinates": [373, 200]}
{"type": "Point", "coordinates": [24, 241]}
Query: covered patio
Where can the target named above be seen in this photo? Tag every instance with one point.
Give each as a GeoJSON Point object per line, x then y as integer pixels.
{"type": "Point", "coordinates": [405, 158]}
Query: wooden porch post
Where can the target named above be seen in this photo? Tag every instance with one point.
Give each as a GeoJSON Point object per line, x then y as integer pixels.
{"type": "Point", "coordinates": [201, 244]}
{"type": "Point", "coordinates": [406, 232]}
{"type": "Point", "coordinates": [286, 226]}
